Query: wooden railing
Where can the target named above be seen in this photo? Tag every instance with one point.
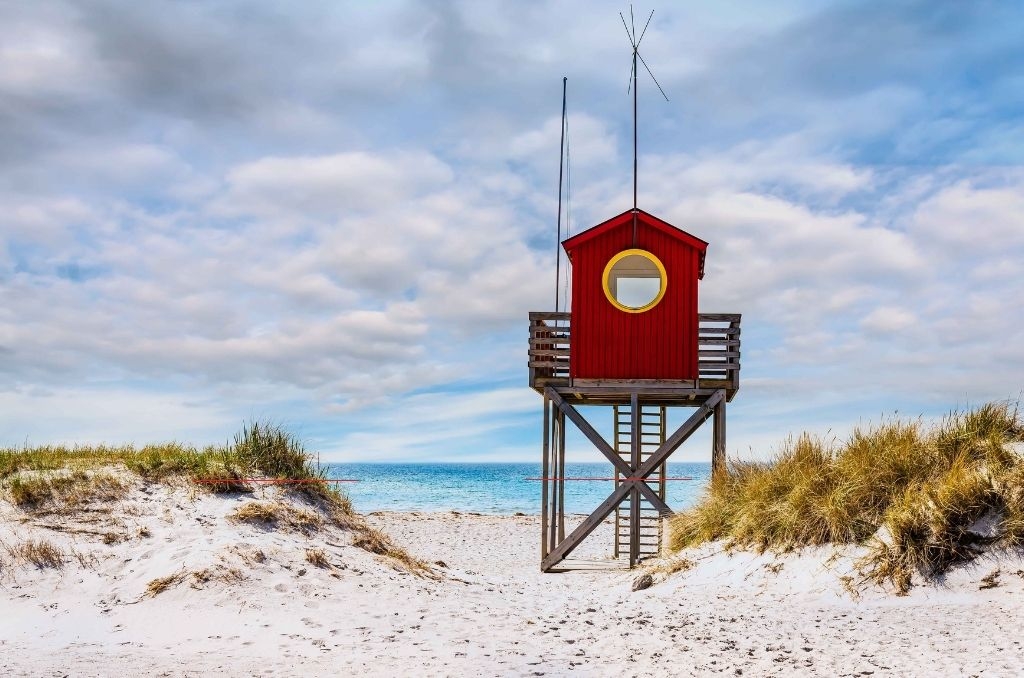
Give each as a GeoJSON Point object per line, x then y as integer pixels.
{"type": "Point", "coordinates": [718, 349]}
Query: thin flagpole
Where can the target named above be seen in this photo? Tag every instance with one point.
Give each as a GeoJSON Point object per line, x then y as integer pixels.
{"type": "Point", "coordinates": [561, 166]}
{"type": "Point", "coordinates": [635, 84]}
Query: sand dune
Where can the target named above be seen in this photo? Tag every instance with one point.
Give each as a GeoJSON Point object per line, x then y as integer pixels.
{"type": "Point", "coordinates": [244, 599]}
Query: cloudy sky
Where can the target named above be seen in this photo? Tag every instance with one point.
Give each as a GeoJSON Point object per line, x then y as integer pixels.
{"type": "Point", "coordinates": [337, 216]}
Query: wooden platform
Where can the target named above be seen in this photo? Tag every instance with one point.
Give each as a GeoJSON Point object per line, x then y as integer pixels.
{"type": "Point", "coordinates": [550, 350]}
{"type": "Point", "coordinates": [602, 565]}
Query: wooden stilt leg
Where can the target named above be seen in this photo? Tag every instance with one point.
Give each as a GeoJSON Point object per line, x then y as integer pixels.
{"type": "Point", "coordinates": [718, 442]}
{"type": "Point", "coordinates": [561, 475]}
{"type": "Point", "coordinates": [634, 494]}
{"type": "Point", "coordinates": [556, 472]}
{"type": "Point", "coordinates": [544, 470]}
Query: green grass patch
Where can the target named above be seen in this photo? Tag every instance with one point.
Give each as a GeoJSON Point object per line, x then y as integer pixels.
{"type": "Point", "coordinates": [259, 449]}
{"type": "Point", "coordinates": [910, 492]}
{"type": "Point", "coordinates": [64, 490]}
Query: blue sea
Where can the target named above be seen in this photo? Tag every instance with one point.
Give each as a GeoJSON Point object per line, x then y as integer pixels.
{"type": "Point", "coordinates": [498, 488]}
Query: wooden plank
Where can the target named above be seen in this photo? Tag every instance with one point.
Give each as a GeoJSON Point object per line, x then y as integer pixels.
{"type": "Point", "coordinates": [716, 353]}
{"type": "Point", "coordinates": [656, 501]}
{"type": "Point", "coordinates": [541, 341]}
{"type": "Point", "coordinates": [681, 434]}
{"type": "Point", "coordinates": [701, 341]}
{"type": "Point", "coordinates": [543, 382]}
{"type": "Point", "coordinates": [584, 426]}
{"type": "Point", "coordinates": [549, 315]}
{"type": "Point", "coordinates": [549, 352]}
{"type": "Point", "coordinates": [720, 366]}
{"type": "Point", "coordinates": [719, 317]}
{"type": "Point", "coordinates": [682, 397]}
{"type": "Point", "coordinates": [630, 385]}
{"type": "Point", "coordinates": [573, 564]}
{"type": "Point", "coordinates": [585, 528]}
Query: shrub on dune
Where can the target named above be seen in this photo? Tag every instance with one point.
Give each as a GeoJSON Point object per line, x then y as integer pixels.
{"type": "Point", "coordinates": [912, 494]}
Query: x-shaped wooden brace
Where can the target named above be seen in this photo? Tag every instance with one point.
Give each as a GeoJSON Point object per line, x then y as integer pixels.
{"type": "Point", "coordinates": [633, 478]}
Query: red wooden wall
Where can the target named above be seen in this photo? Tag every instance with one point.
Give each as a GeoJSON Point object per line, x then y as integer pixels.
{"type": "Point", "coordinates": [608, 343]}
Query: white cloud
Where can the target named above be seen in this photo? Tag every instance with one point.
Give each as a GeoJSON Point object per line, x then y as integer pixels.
{"type": "Point", "coordinates": [888, 319]}
{"type": "Point", "coordinates": [332, 185]}
{"type": "Point", "coordinates": [967, 219]}
{"type": "Point", "coordinates": [92, 416]}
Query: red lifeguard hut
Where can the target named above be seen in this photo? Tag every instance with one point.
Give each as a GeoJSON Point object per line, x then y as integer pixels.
{"type": "Point", "coordinates": [635, 299]}
{"type": "Point", "coordinates": [633, 340]}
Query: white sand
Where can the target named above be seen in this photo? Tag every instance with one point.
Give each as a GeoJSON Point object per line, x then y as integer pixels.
{"type": "Point", "coordinates": [492, 613]}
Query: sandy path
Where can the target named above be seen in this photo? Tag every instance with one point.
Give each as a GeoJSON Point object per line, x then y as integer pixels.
{"type": "Point", "coordinates": [495, 614]}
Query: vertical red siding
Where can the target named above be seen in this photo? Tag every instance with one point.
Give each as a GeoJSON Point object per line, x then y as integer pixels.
{"type": "Point", "coordinates": [611, 344]}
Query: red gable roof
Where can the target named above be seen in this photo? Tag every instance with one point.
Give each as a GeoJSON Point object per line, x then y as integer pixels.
{"type": "Point", "coordinates": [625, 220]}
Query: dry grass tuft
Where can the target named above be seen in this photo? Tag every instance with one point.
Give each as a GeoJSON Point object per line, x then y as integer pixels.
{"type": "Point", "coordinates": [277, 515]}
{"type": "Point", "coordinates": [669, 566]}
{"type": "Point", "coordinates": [317, 558]}
{"type": "Point", "coordinates": [250, 555]}
{"type": "Point", "coordinates": [63, 491]}
{"type": "Point", "coordinates": [257, 512]}
{"type": "Point", "coordinates": [219, 573]}
{"type": "Point", "coordinates": [38, 552]}
{"type": "Point", "coordinates": [86, 560]}
{"type": "Point", "coordinates": [161, 584]}
{"type": "Point", "coordinates": [197, 579]}
{"type": "Point", "coordinates": [912, 494]}
{"type": "Point", "coordinates": [375, 541]}
{"type": "Point", "coordinates": [990, 581]}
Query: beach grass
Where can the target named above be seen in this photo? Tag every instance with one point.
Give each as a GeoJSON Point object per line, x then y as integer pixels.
{"type": "Point", "coordinates": [916, 495]}
{"type": "Point", "coordinates": [66, 490]}
{"type": "Point", "coordinates": [276, 514]}
{"type": "Point", "coordinates": [317, 558]}
{"type": "Point", "coordinates": [61, 479]}
{"type": "Point", "coordinates": [39, 552]}
{"type": "Point", "coordinates": [259, 449]}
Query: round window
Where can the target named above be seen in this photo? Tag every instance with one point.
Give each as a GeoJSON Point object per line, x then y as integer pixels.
{"type": "Point", "coordinates": [634, 281]}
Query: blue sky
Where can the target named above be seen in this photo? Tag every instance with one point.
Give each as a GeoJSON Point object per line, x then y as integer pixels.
{"type": "Point", "coordinates": [337, 216]}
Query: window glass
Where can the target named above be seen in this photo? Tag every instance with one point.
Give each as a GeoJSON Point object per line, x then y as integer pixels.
{"type": "Point", "coordinates": [634, 280]}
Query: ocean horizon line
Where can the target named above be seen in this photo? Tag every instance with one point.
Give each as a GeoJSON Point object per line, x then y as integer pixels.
{"type": "Point", "coordinates": [494, 488]}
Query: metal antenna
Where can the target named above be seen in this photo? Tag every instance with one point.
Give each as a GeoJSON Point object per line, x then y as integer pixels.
{"type": "Point", "coordinates": [561, 165]}
{"type": "Point", "coordinates": [634, 42]}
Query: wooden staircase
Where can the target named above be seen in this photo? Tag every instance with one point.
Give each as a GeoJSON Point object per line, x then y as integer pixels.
{"type": "Point", "coordinates": [652, 435]}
